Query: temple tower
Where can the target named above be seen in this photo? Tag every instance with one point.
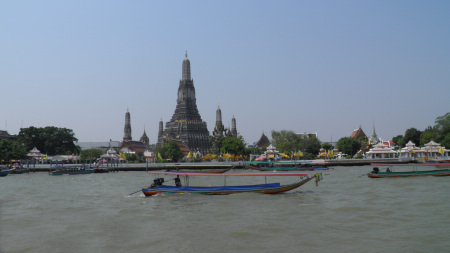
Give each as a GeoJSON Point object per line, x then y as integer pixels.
{"type": "Point", "coordinates": [374, 139]}
{"type": "Point", "coordinates": [218, 117]}
{"type": "Point", "coordinates": [186, 126]}
{"type": "Point", "coordinates": [233, 127]}
{"type": "Point", "coordinates": [127, 128]}
{"type": "Point", "coordinates": [161, 129]}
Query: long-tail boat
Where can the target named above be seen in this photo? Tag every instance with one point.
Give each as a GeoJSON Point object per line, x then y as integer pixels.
{"type": "Point", "coordinates": [376, 173]}
{"type": "Point", "coordinates": [268, 188]}
{"type": "Point", "coordinates": [71, 170]}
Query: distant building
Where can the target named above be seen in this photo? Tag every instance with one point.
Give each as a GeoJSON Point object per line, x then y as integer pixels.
{"type": "Point", "coordinates": [358, 133]}
{"type": "Point", "coordinates": [106, 145]}
{"type": "Point", "coordinates": [145, 139]}
{"type": "Point", "coordinates": [232, 132]}
{"type": "Point", "coordinates": [263, 142]}
{"type": "Point", "coordinates": [432, 150]}
{"type": "Point", "coordinates": [5, 135]}
{"type": "Point", "coordinates": [374, 139]}
{"type": "Point", "coordinates": [233, 127]}
{"type": "Point", "coordinates": [300, 135]}
{"type": "Point", "coordinates": [186, 127]}
{"type": "Point", "coordinates": [128, 145]}
{"type": "Point", "coordinates": [381, 150]}
{"type": "Point", "coordinates": [127, 128]}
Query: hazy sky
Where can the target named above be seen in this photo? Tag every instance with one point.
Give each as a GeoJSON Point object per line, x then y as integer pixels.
{"type": "Point", "coordinates": [307, 66]}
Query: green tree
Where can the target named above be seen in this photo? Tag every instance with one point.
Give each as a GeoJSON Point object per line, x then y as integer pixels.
{"type": "Point", "coordinates": [140, 157]}
{"type": "Point", "coordinates": [172, 151]}
{"type": "Point", "coordinates": [90, 154]}
{"type": "Point", "coordinates": [327, 146]}
{"type": "Point", "coordinates": [348, 145]}
{"type": "Point", "coordinates": [446, 141]}
{"type": "Point", "coordinates": [285, 141]}
{"type": "Point", "coordinates": [413, 135]}
{"type": "Point", "coordinates": [442, 126]}
{"type": "Point", "coordinates": [397, 139]}
{"type": "Point", "coordinates": [11, 150]}
{"type": "Point", "coordinates": [131, 157]}
{"type": "Point", "coordinates": [233, 145]}
{"type": "Point", "coordinates": [49, 140]}
{"type": "Point", "coordinates": [428, 135]}
{"type": "Point", "coordinates": [310, 144]}
{"type": "Point", "coordinates": [217, 138]}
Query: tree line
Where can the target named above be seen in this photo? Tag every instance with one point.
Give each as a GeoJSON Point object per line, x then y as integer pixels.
{"type": "Point", "coordinates": [48, 140]}
{"type": "Point", "coordinates": [439, 133]}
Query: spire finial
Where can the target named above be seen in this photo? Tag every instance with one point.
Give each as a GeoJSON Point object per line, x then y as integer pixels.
{"type": "Point", "coordinates": [186, 54]}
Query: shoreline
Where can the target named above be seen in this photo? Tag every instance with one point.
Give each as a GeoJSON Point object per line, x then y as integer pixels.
{"type": "Point", "coordinates": [208, 165]}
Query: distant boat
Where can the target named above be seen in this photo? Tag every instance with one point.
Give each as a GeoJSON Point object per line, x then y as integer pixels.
{"type": "Point", "coordinates": [100, 170]}
{"type": "Point", "coordinates": [5, 172]}
{"type": "Point", "coordinates": [71, 170]}
{"type": "Point", "coordinates": [197, 168]}
{"type": "Point", "coordinates": [290, 168]}
{"type": "Point", "coordinates": [376, 173]}
{"type": "Point", "coordinates": [201, 170]}
{"type": "Point", "coordinates": [272, 188]}
{"type": "Point", "coordinates": [277, 166]}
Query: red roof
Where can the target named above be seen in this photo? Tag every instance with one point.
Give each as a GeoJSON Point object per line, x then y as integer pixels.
{"type": "Point", "coordinates": [358, 133]}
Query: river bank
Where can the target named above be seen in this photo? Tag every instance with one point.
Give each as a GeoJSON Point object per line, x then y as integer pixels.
{"type": "Point", "coordinates": [205, 165]}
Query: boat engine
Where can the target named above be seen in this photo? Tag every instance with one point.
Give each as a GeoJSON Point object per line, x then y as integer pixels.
{"type": "Point", "coordinates": [158, 181]}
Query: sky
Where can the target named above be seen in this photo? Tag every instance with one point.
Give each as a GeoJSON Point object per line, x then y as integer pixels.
{"type": "Point", "coordinates": [324, 67]}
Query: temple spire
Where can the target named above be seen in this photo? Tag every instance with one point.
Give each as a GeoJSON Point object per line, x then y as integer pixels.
{"type": "Point", "coordinates": [186, 73]}
{"type": "Point", "coordinates": [233, 127]}
{"type": "Point", "coordinates": [218, 116]}
{"type": "Point", "coordinates": [127, 128]}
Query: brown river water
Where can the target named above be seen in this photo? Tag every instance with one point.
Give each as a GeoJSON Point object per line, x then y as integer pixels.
{"type": "Point", "coordinates": [347, 212]}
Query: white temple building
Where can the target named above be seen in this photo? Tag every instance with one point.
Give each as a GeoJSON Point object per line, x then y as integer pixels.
{"type": "Point", "coordinates": [432, 150]}
{"type": "Point", "coordinates": [380, 151]}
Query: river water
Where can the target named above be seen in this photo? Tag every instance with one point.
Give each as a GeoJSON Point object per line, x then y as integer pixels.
{"type": "Point", "coordinates": [347, 212]}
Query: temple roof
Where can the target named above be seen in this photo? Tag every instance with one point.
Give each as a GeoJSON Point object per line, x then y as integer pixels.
{"type": "Point", "coordinates": [134, 146]}
{"type": "Point", "coordinates": [358, 133]}
{"type": "Point", "coordinates": [263, 141]}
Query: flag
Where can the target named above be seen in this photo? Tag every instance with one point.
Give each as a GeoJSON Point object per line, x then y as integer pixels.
{"type": "Point", "coordinates": [441, 150]}
{"type": "Point", "coordinates": [221, 156]}
{"type": "Point", "coordinates": [159, 156]}
{"type": "Point", "coordinates": [195, 155]}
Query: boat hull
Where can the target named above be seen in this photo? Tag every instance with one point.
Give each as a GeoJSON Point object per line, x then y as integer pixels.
{"type": "Point", "coordinates": [56, 173]}
{"type": "Point", "coordinates": [225, 190]}
{"type": "Point", "coordinates": [4, 173]}
{"type": "Point", "coordinates": [435, 173]}
{"type": "Point", "coordinates": [201, 171]}
{"type": "Point", "coordinates": [280, 168]}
